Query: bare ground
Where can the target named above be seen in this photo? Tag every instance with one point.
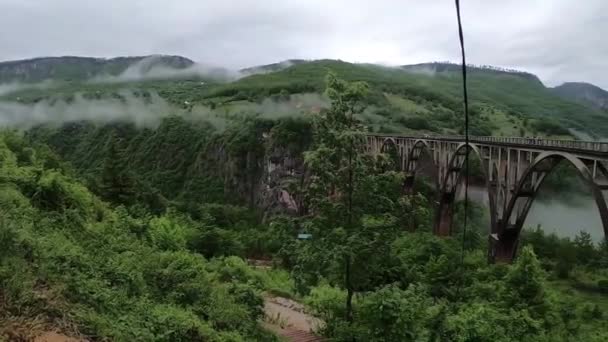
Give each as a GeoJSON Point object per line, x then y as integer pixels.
{"type": "Point", "coordinates": [288, 319]}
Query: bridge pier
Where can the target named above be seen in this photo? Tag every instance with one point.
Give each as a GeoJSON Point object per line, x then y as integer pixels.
{"type": "Point", "coordinates": [502, 247]}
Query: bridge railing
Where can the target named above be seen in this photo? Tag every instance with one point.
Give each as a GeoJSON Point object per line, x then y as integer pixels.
{"type": "Point", "coordinates": [594, 146]}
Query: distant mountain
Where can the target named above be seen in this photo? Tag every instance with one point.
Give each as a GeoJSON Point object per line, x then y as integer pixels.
{"type": "Point", "coordinates": [445, 67]}
{"type": "Point", "coordinates": [584, 93]}
{"type": "Point", "coordinates": [506, 102]}
{"type": "Point", "coordinates": [409, 97]}
{"type": "Point", "coordinates": [71, 68]}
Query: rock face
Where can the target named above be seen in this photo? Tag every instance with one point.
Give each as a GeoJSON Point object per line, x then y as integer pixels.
{"type": "Point", "coordinates": [585, 93]}
{"type": "Point", "coordinates": [281, 182]}
{"type": "Point", "coordinates": [191, 162]}
{"type": "Point", "coordinates": [71, 68]}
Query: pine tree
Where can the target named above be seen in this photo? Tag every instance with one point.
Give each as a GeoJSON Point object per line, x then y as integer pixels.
{"type": "Point", "coordinates": [526, 285]}
{"type": "Point", "coordinates": [116, 186]}
{"type": "Point", "coordinates": [585, 249]}
{"type": "Point", "coordinates": [339, 170]}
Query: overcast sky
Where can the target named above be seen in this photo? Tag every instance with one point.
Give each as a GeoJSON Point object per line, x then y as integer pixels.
{"type": "Point", "coordinates": [559, 40]}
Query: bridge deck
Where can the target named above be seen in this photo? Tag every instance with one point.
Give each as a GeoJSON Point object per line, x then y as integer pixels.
{"type": "Point", "coordinates": [581, 146]}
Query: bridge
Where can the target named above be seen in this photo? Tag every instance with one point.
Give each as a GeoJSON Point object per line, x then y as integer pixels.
{"type": "Point", "coordinates": [513, 168]}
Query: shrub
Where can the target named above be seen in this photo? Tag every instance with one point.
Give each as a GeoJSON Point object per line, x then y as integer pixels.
{"type": "Point", "coordinates": [417, 123]}
{"type": "Point", "coordinates": [169, 234]}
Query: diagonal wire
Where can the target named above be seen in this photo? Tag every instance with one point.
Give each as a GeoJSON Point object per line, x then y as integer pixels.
{"type": "Point", "coordinates": [466, 130]}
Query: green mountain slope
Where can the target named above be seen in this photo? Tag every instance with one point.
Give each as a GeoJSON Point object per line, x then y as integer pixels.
{"type": "Point", "coordinates": [583, 92]}
{"type": "Point", "coordinates": [497, 96]}
{"type": "Point", "coordinates": [416, 97]}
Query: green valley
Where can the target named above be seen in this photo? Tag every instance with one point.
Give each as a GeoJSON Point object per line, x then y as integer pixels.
{"type": "Point", "coordinates": [173, 208]}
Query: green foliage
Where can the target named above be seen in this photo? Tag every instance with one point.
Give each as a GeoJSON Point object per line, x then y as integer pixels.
{"type": "Point", "coordinates": [393, 314]}
{"type": "Point", "coordinates": [344, 187]}
{"type": "Point", "coordinates": [327, 303]}
{"type": "Point", "coordinates": [549, 127]}
{"type": "Point", "coordinates": [68, 256]}
{"type": "Point", "coordinates": [161, 259]}
{"type": "Point", "coordinates": [168, 234]}
{"type": "Point", "coordinates": [525, 284]}
{"type": "Point", "coordinates": [117, 185]}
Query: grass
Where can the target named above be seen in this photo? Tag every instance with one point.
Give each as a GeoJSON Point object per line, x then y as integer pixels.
{"type": "Point", "coordinates": [566, 289]}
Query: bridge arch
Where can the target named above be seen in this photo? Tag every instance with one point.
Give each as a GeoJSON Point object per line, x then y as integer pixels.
{"type": "Point", "coordinates": [504, 246]}
{"type": "Point", "coordinates": [451, 182]}
{"type": "Point", "coordinates": [387, 142]}
{"type": "Point", "coordinates": [390, 147]}
{"type": "Point", "coordinates": [418, 149]}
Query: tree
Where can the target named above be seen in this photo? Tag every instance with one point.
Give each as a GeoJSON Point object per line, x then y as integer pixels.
{"type": "Point", "coordinates": [337, 166]}
{"type": "Point", "coordinates": [603, 253]}
{"type": "Point", "coordinates": [342, 187]}
{"type": "Point", "coordinates": [117, 185]}
{"type": "Point", "coordinates": [525, 285]}
{"type": "Point", "coordinates": [393, 314]}
{"type": "Point", "coordinates": [585, 250]}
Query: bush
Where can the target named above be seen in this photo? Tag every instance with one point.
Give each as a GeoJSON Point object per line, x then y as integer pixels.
{"type": "Point", "coordinates": [169, 234]}
{"type": "Point", "coordinates": [393, 314]}
{"type": "Point", "coordinates": [592, 311]}
{"type": "Point", "coordinates": [417, 123]}
{"type": "Point", "coordinates": [327, 303]}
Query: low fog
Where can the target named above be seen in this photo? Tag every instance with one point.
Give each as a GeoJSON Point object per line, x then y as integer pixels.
{"type": "Point", "coordinates": [146, 112]}
{"type": "Point", "coordinates": [7, 88]}
{"type": "Point", "coordinates": [148, 69]}
{"type": "Point", "coordinates": [142, 112]}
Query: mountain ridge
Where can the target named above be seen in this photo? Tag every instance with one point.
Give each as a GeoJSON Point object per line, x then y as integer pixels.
{"type": "Point", "coordinates": [420, 96]}
{"type": "Point", "coordinates": [79, 68]}
{"type": "Point", "coordinates": [115, 65]}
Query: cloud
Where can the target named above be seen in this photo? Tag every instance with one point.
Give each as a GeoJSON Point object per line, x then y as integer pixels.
{"type": "Point", "coordinates": [147, 112]}
{"type": "Point", "coordinates": [7, 88]}
{"type": "Point", "coordinates": [139, 111]}
{"type": "Point", "coordinates": [149, 69]}
{"type": "Point", "coordinates": [560, 40]}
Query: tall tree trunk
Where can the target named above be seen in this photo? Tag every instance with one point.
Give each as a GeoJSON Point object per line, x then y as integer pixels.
{"type": "Point", "coordinates": [349, 292]}
{"type": "Point", "coordinates": [349, 288]}
{"type": "Point", "coordinates": [249, 179]}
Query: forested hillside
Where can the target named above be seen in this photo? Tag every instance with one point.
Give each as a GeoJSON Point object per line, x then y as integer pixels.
{"type": "Point", "coordinates": [402, 99]}
{"type": "Point", "coordinates": [129, 230]}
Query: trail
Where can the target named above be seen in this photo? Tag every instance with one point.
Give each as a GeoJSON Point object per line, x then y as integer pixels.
{"type": "Point", "coordinates": [287, 319]}
{"type": "Point", "coordinates": [51, 336]}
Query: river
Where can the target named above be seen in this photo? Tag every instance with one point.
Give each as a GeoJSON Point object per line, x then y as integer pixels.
{"type": "Point", "coordinates": [555, 216]}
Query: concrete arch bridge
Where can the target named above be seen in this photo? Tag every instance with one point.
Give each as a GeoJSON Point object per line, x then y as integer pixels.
{"type": "Point", "coordinates": [513, 168]}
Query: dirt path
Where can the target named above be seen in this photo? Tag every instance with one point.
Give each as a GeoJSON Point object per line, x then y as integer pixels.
{"type": "Point", "coordinates": [288, 319]}
{"type": "Point", "coordinates": [52, 336]}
